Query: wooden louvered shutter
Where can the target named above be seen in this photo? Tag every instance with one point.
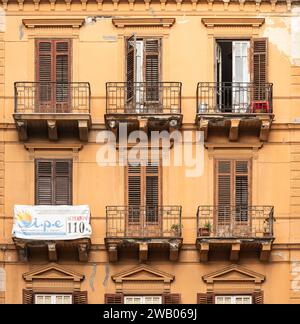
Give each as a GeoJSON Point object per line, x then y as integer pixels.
{"type": "Point", "coordinates": [131, 67]}
{"type": "Point", "coordinates": [63, 182]}
{"type": "Point", "coordinates": [224, 190]}
{"type": "Point", "coordinates": [258, 298]}
{"type": "Point", "coordinates": [28, 296]}
{"type": "Point", "coordinates": [44, 182]}
{"type": "Point", "coordinates": [171, 299]}
{"type": "Point", "coordinates": [260, 67]}
{"type": "Point", "coordinates": [241, 190]}
{"type": "Point", "coordinates": [44, 75]}
{"type": "Point", "coordinates": [134, 188]}
{"type": "Point", "coordinates": [208, 298]}
{"type": "Point", "coordinates": [152, 69]}
{"type": "Point", "coordinates": [62, 75]}
{"type": "Point", "coordinates": [114, 299]}
{"type": "Point", "coordinates": [152, 192]}
{"type": "Point", "coordinates": [80, 297]}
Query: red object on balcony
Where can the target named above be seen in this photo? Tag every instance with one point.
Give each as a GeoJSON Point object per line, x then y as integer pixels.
{"type": "Point", "coordinates": [260, 107]}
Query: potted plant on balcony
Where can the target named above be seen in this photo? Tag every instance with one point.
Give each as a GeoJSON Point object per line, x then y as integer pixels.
{"type": "Point", "coordinates": [206, 229]}
{"type": "Point", "coordinates": [176, 229]}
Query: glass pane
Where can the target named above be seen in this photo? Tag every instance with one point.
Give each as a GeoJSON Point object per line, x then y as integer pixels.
{"type": "Point", "coordinates": [67, 300]}
{"type": "Point", "coordinates": [39, 300]}
{"type": "Point", "coordinates": [47, 299]}
{"type": "Point", "coordinates": [58, 299]}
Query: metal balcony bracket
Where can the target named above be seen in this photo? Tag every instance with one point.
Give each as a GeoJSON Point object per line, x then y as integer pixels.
{"type": "Point", "coordinates": [83, 130]}
{"type": "Point", "coordinates": [265, 251]}
{"type": "Point", "coordinates": [143, 252]}
{"type": "Point", "coordinates": [203, 126]}
{"type": "Point", "coordinates": [52, 130]}
{"type": "Point", "coordinates": [52, 251]}
{"type": "Point", "coordinates": [83, 252]}
{"type": "Point", "coordinates": [204, 249]}
{"type": "Point", "coordinates": [235, 251]}
{"type": "Point", "coordinates": [22, 130]}
{"type": "Point", "coordinates": [265, 130]}
{"type": "Point", "coordinates": [234, 129]}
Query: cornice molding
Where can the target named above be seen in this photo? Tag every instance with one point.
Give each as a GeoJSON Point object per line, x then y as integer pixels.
{"type": "Point", "coordinates": [143, 22]}
{"type": "Point", "coordinates": [40, 23]}
{"type": "Point", "coordinates": [233, 22]}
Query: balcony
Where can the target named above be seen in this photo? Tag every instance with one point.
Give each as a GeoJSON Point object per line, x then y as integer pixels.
{"type": "Point", "coordinates": [49, 232]}
{"type": "Point", "coordinates": [235, 229]}
{"type": "Point", "coordinates": [235, 108]}
{"type": "Point", "coordinates": [143, 105]}
{"type": "Point", "coordinates": [143, 229]}
{"type": "Point", "coordinates": [52, 110]}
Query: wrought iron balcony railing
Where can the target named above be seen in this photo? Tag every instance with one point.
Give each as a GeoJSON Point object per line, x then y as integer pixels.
{"type": "Point", "coordinates": [143, 222]}
{"type": "Point", "coordinates": [235, 221]}
{"type": "Point", "coordinates": [143, 98]}
{"type": "Point", "coordinates": [52, 97]}
{"type": "Point", "coordinates": [236, 98]}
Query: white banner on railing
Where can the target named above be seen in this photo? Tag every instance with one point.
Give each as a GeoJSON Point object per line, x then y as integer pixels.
{"type": "Point", "coordinates": [51, 222]}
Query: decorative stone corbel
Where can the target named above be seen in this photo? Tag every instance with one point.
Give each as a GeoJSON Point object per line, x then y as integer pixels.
{"type": "Point", "coordinates": [242, 4]}
{"type": "Point", "coordinates": [147, 4]}
{"type": "Point", "coordinates": [116, 4]}
{"type": "Point", "coordinates": [100, 4]}
{"type": "Point", "coordinates": [21, 4]}
{"type": "Point", "coordinates": [163, 4]}
{"type": "Point", "coordinates": [83, 4]}
{"type": "Point", "coordinates": [131, 4]}
{"type": "Point", "coordinates": [210, 4]}
{"type": "Point", "coordinates": [179, 3]}
{"type": "Point", "coordinates": [273, 4]}
{"type": "Point", "coordinates": [36, 4]}
{"type": "Point", "coordinates": [289, 5]}
{"type": "Point", "coordinates": [68, 4]}
{"type": "Point", "coordinates": [257, 3]}
{"type": "Point", "coordinates": [226, 4]}
{"type": "Point", "coordinates": [52, 4]}
{"type": "Point", "coordinates": [194, 4]}
{"type": "Point", "coordinates": [4, 4]}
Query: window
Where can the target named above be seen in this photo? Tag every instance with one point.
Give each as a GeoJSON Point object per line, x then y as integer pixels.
{"type": "Point", "coordinates": [53, 72]}
{"type": "Point", "coordinates": [232, 194]}
{"type": "Point", "coordinates": [144, 189]}
{"type": "Point", "coordinates": [239, 62]}
{"type": "Point", "coordinates": [53, 299]}
{"type": "Point", "coordinates": [233, 300]}
{"type": "Point", "coordinates": [53, 182]}
{"type": "Point", "coordinates": [143, 300]}
{"type": "Point", "coordinates": [143, 73]}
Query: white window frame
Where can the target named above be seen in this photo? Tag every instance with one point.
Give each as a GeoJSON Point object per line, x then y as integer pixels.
{"type": "Point", "coordinates": [53, 297]}
{"type": "Point", "coordinates": [143, 300]}
{"type": "Point", "coordinates": [234, 299]}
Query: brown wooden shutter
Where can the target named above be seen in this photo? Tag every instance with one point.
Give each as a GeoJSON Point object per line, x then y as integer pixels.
{"type": "Point", "coordinates": [63, 182]}
{"type": "Point", "coordinates": [134, 188]}
{"type": "Point", "coordinates": [62, 75]}
{"type": "Point", "coordinates": [152, 69]}
{"type": "Point", "coordinates": [224, 190]}
{"type": "Point", "coordinates": [242, 190]}
{"type": "Point", "coordinates": [44, 74]}
{"type": "Point", "coordinates": [260, 67]}
{"type": "Point", "coordinates": [80, 297]}
{"type": "Point", "coordinates": [131, 66]}
{"type": "Point", "coordinates": [152, 192]}
{"type": "Point", "coordinates": [53, 182]}
{"type": "Point", "coordinates": [206, 298]}
{"type": "Point", "coordinates": [44, 182]}
{"type": "Point", "coordinates": [114, 299]}
{"type": "Point", "coordinates": [258, 297]}
{"type": "Point", "coordinates": [28, 296]}
{"type": "Point", "coordinates": [171, 298]}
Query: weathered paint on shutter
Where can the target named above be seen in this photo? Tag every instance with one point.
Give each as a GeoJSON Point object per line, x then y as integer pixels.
{"type": "Point", "coordinates": [80, 297]}
{"type": "Point", "coordinates": [258, 298]}
{"type": "Point", "coordinates": [44, 182]}
{"type": "Point", "coordinates": [208, 298]}
{"type": "Point", "coordinates": [152, 69]}
{"type": "Point", "coordinates": [224, 189]}
{"type": "Point", "coordinates": [44, 74]}
{"type": "Point", "coordinates": [131, 66]}
{"type": "Point", "coordinates": [53, 182]}
{"type": "Point", "coordinates": [152, 192]}
{"type": "Point", "coordinates": [134, 188]}
{"type": "Point", "coordinates": [62, 75]}
{"type": "Point", "coordinates": [63, 182]}
{"type": "Point", "coordinates": [171, 299]}
{"type": "Point", "coordinates": [114, 299]}
{"type": "Point", "coordinates": [28, 296]}
{"type": "Point", "coordinates": [242, 190]}
{"type": "Point", "coordinates": [259, 67]}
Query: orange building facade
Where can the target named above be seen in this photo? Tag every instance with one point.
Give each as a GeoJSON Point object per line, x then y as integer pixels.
{"type": "Point", "coordinates": [219, 227]}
